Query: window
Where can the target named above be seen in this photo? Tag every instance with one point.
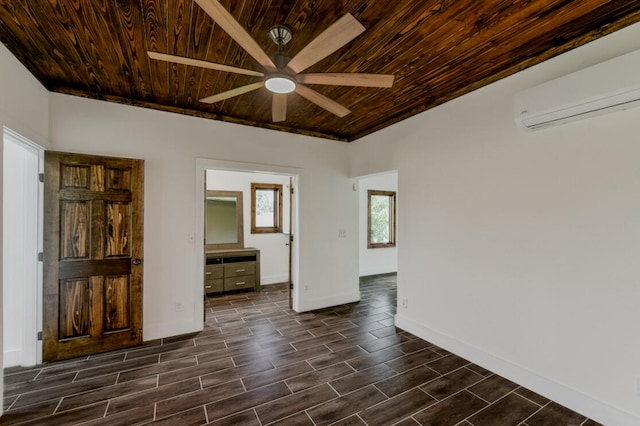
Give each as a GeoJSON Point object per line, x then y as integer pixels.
{"type": "Point", "coordinates": [381, 219]}
{"type": "Point", "coordinates": [266, 208]}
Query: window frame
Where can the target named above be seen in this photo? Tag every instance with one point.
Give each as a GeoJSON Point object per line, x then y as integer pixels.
{"type": "Point", "coordinates": [277, 205]}
{"type": "Point", "coordinates": [392, 219]}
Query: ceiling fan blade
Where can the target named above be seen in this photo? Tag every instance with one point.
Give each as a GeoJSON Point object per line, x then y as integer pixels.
{"type": "Point", "coordinates": [347, 79]}
{"type": "Point", "coordinates": [203, 64]}
{"type": "Point", "coordinates": [227, 22]}
{"type": "Point", "coordinates": [279, 107]}
{"type": "Point", "coordinates": [322, 101]}
{"type": "Point", "coordinates": [333, 38]}
{"type": "Point", "coordinates": [231, 93]}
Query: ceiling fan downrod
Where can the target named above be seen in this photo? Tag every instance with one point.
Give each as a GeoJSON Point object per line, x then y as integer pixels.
{"type": "Point", "coordinates": [280, 35]}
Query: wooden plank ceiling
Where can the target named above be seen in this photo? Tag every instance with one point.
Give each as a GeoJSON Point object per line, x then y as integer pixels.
{"type": "Point", "coordinates": [437, 50]}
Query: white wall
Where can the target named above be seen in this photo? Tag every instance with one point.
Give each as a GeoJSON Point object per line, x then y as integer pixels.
{"type": "Point", "coordinates": [520, 250]}
{"type": "Point", "coordinates": [378, 260]}
{"type": "Point", "coordinates": [274, 254]}
{"type": "Point", "coordinates": [24, 108]}
{"type": "Point", "coordinates": [24, 104]}
{"type": "Point", "coordinates": [170, 144]}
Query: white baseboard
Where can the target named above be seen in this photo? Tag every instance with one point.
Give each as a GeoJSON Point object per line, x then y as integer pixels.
{"type": "Point", "coordinates": [159, 331]}
{"type": "Point", "coordinates": [325, 302]}
{"type": "Point", "coordinates": [577, 401]}
{"type": "Point", "coordinates": [12, 358]}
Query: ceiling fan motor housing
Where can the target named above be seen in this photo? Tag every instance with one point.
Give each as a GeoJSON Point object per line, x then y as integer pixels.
{"type": "Point", "coordinates": [280, 60]}
{"type": "Point", "coordinates": [280, 81]}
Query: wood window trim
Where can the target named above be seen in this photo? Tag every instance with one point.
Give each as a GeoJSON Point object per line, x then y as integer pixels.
{"type": "Point", "coordinates": [392, 227]}
{"type": "Point", "coordinates": [277, 228]}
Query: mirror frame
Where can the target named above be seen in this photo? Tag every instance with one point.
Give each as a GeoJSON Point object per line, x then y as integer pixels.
{"type": "Point", "coordinates": [239, 220]}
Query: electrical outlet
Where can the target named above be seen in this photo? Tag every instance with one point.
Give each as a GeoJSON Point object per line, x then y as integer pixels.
{"type": "Point", "coordinates": [342, 233]}
{"type": "Point", "coordinates": [306, 288]}
{"type": "Point", "coordinates": [405, 303]}
{"type": "Point", "coordinates": [178, 307]}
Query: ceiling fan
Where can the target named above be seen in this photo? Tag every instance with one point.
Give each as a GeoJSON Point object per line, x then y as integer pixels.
{"type": "Point", "coordinates": [281, 75]}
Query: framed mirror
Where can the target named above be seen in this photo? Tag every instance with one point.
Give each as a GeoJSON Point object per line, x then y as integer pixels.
{"type": "Point", "coordinates": [224, 225]}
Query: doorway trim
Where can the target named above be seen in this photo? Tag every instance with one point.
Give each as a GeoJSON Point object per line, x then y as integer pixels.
{"type": "Point", "coordinates": [203, 164]}
{"type": "Point", "coordinates": [31, 347]}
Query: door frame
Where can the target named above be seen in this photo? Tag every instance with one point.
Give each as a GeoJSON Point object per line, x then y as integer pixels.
{"type": "Point", "coordinates": [203, 164]}
{"type": "Point", "coordinates": [290, 235]}
{"type": "Point", "coordinates": [31, 348]}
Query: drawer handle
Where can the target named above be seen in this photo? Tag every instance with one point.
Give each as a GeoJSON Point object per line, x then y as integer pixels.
{"type": "Point", "coordinates": [207, 273]}
{"type": "Point", "coordinates": [240, 283]}
{"type": "Point", "coordinates": [239, 270]}
{"type": "Point", "coordinates": [207, 286]}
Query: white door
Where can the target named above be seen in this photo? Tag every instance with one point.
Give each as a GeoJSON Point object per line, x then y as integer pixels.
{"type": "Point", "coordinates": [22, 240]}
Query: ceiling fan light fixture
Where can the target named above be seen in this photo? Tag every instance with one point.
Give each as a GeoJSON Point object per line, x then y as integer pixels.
{"type": "Point", "coordinates": [280, 83]}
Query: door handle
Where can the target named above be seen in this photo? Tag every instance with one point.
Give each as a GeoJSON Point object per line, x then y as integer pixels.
{"type": "Point", "coordinates": [136, 261]}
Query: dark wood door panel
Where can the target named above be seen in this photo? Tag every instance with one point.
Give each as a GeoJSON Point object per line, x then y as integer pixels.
{"type": "Point", "coordinates": [74, 229]}
{"type": "Point", "coordinates": [93, 232]}
{"type": "Point", "coordinates": [75, 300]}
{"type": "Point", "coordinates": [99, 267]}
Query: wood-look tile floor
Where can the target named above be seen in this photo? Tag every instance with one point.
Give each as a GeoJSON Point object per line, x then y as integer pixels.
{"type": "Point", "coordinates": [258, 363]}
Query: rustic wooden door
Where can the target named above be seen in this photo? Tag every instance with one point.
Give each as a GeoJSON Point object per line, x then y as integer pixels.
{"type": "Point", "coordinates": [92, 254]}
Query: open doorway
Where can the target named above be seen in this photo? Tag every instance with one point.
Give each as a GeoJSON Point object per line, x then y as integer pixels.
{"type": "Point", "coordinates": [277, 253]}
{"type": "Point", "coordinates": [375, 259]}
{"type": "Point", "coordinates": [22, 241]}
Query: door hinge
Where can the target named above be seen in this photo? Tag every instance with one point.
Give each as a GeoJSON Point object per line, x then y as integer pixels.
{"type": "Point", "coordinates": [40, 257]}
{"type": "Point", "coordinates": [41, 177]}
{"type": "Point", "coordinates": [291, 286]}
{"type": "Point", "coordinates": [292, 190]}
{"type": "Point", "coordinates": [40, 335]}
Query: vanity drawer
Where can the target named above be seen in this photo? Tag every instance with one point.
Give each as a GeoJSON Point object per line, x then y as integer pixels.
{"type": "Point", "coordinates": [213, 271]}
{"type": "Point", "coordinates": [239, 269]}
{"type": "Point", "coordinates": [239, 282]}
{"type": "Point", "coordinates": [213, 285]}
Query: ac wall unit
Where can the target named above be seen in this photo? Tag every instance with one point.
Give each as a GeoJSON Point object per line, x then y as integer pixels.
{"type": "Point", "coordinates": [606, 87]}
